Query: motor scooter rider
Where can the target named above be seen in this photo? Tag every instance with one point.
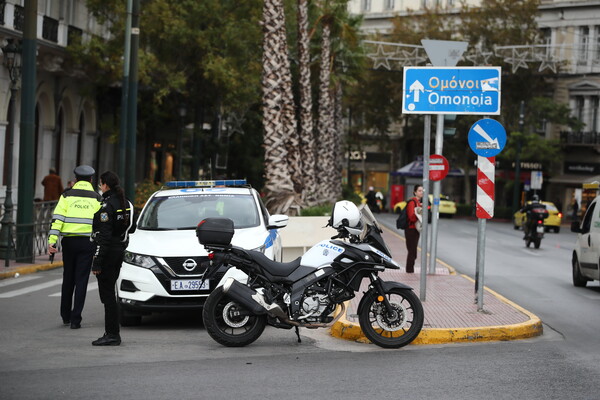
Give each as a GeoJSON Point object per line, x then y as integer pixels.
{"type": "Point", "coordinates": [530, 209]}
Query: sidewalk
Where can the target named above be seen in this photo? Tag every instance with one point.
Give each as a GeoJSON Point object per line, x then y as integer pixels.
{"type": "Point", "coordinates": [42, 263]}
{"type": "Point", "coordinates": [450, 308]}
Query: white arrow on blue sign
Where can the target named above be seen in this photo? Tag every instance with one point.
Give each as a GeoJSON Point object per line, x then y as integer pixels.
{"type": "Point", "coordinates": [451, 90]}
{"type": "Point", "coordinates": [487, 137]}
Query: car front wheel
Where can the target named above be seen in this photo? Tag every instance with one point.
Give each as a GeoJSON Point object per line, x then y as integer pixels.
{"type": "Point", "coordinates": [578, 279]}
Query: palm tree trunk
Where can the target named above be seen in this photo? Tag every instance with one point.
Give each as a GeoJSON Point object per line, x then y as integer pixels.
{"type": "Point", "coordinates": [337, 146]}
{"type": "Point", "coordinates": [325, 139]}
{"type": "Point", "coordinates": [279, 190]}
{"type": "Point", "coordinates": [307, 137]}
{"type": "Point", "coordinates": [288, 111]}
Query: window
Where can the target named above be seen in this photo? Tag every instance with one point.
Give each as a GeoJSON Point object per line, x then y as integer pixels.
{"type": "Point", "coordinates": [595, 109]}
{"type": "Point", "coordinates": [390, 4]}
{"type": "Point", "coordinates": [584, 44]}
{"type": "Point", "coordinates": [579, 104]}
{"type": "Point", "coordinates": [366, 5]}
{"type": "Point", "coordinates": [596, 54]}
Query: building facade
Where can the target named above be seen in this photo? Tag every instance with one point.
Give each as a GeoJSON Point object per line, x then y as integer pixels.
{"type": "Point", "coordinates": [66, 110]}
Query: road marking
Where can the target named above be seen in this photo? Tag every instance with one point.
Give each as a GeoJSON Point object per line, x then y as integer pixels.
{"type": "Point", "coordinates": [91, 286]}
{"type": "Point", "coordinates": [30, 289]}
{"type": "Point", "coordinates": [14, 281]}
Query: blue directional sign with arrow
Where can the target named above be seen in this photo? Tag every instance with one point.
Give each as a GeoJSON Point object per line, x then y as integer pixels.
{"type": "Point", "coordinates": [487, 137]}
{"type": "Point", "coordinates": [451, 90]}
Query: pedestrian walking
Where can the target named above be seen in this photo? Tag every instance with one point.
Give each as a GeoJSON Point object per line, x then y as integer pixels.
{"type": "Point", "coordinates": [113, 223]}
{"type": "Point", "coordinates": [52, 184]}
{"type": "Point", "coordinates": [72, 221]}
{"type": "Point", "coordinates": [412, 232]}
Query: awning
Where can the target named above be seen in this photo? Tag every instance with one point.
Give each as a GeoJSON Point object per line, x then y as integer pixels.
{"type": "Point", "coordinates": [415, 169]}
{"type": "Point", "coordinates": [574, 179]}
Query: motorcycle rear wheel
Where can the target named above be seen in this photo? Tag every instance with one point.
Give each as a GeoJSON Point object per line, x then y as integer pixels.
{"type": "Point", "coordinates": [396, 330]}
{"type": "Point", "coordinates": [224, 323]}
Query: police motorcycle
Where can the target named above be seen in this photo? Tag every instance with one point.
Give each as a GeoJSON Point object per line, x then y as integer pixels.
{"type": "Point", "coordinates": [307, 291]}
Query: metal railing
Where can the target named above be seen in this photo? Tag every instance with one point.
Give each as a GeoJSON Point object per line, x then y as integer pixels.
{"type": "Point", "coordinates": [580, 138]}
{"type": "Point", "coordinates": [26, 241]}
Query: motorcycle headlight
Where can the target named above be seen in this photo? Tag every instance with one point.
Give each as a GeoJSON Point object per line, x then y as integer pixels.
{"type": "Point", "coordinates": [138, 260]}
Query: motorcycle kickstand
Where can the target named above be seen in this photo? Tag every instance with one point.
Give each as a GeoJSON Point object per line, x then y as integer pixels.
{"type": "Point", "coordinates": [298, 334]}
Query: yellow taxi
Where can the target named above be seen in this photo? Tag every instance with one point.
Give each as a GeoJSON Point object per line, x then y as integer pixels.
{"type": "Point", "coordinates": [552, 222]}
{"type": "Point", "coordinates": [447, 207]}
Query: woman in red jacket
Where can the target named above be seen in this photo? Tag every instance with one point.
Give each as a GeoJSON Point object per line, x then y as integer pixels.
{"type": "Point", "coordinates": [411, 233]}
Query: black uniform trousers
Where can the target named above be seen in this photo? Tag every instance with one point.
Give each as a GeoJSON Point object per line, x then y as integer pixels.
{"type": "Point", "coordinates": [107, 280]}
{"type": "Point", "coordinates": [78, 252]}
{"type": "Point", "coordinates": [412, 241]}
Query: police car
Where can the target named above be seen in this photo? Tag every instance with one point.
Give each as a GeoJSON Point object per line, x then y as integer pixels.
{"type": "Point", "coordinates": [163, 265]}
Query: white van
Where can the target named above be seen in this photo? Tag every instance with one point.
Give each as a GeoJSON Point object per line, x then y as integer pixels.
{"type": "Point", "coordinates": [586, 256]}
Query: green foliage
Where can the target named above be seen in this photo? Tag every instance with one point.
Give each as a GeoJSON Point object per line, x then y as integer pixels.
{"type": "Point", "coordinates": [143, 191]}
{"type": "Point", "coordinates": [317, 211]}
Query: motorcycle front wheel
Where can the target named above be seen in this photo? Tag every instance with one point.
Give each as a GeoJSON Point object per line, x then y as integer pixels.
{"type": "Point", "coordinates": [230, 324]}
{"type": "Point", "coordinates": [395, 329]}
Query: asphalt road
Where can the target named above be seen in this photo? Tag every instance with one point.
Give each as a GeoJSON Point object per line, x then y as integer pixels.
{"type": "Point", "coordinates": [171, 356]}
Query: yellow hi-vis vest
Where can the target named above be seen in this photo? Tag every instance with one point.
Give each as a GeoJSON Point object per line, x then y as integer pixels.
{"type": "Point", "coordinates": [74, 213]}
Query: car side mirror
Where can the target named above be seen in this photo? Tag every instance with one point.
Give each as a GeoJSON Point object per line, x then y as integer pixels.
{"type": "Point", "coordinates": [278, 221]}
{"type": "Point", "coordinates": [575, 227]}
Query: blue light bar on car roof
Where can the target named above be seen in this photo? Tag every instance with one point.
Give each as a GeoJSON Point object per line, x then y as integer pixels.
{"type": "Point", "coordinates": [187, 184]}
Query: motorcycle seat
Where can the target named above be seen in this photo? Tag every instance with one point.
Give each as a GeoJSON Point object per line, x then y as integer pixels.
{"type": "Point", "coordinates": [273, 267]}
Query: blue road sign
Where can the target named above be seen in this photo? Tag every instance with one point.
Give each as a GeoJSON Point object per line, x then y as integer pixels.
{"type": "Point", "coordinates": [487, 137]}
{"type": "Point", "coordinates": [451, 90]}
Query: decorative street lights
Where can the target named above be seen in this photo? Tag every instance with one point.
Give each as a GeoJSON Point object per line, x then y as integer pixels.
{"type": "Point", "coordinates": [12, 62]}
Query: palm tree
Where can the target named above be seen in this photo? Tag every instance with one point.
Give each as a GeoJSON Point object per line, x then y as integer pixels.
{"type": "Point", "coordinates": [307, 137]}
{"type": "Point", "coordinates": [278, 112]}
{"type": "Point", "coordinates": [325, 128]}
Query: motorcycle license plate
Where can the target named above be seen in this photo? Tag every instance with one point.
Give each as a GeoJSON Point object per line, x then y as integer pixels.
{"type": "Point", "coordinates": [539, 229]}
{"type": "Point", "coordinates": [189, 284]}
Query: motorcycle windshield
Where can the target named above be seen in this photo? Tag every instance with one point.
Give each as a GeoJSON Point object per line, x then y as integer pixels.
{"type": "Point", "coordinates": [372, 230]}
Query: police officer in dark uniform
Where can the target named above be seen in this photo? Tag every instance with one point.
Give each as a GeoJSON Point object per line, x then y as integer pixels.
{"type": "Point", "coordinates": [72, 221]}
{"type": "Point", "coordinates": [112, 224]}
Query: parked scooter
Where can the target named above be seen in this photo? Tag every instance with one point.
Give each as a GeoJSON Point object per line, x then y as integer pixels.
{"type": "Point", "coordinates": [307, 292]}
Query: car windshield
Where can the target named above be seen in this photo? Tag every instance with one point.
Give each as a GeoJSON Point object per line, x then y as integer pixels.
{"type": "Point", "coordinates": [184, 212]}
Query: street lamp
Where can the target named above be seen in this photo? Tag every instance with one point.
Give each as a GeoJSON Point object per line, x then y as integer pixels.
{"type": "Point", "coordinates": [12, 62]}
{"type": "Point", "coordinates": [182, 113]}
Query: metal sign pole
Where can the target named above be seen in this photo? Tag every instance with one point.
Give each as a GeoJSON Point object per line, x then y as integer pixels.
{"type": "Point", "coordinates": [480, 262]}
{"type": "Point", "coordinates": [439, 144]}
{"type": "Point", "coordinates": [425, 213]}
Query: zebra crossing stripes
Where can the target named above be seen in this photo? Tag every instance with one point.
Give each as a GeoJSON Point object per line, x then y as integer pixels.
{"type": "Point", "coordinates": [34, 288]}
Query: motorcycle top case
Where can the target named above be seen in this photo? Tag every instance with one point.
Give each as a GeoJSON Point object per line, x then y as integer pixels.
{"type": "Point", "coordinates": [216, 231]}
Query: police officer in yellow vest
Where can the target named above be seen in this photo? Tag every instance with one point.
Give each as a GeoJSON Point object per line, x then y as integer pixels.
{"type": "Point", "coordinates": [72, 220]}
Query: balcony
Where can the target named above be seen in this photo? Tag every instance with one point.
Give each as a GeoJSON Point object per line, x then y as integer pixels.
{"type": "Point", "coordinates": [50, 29]}
{"type": "Point", "coordinates": [580, 138]}
{"type": "Point", "coordinates": [19, 18]}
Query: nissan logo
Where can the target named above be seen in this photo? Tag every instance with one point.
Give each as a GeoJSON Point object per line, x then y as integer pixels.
{"type": "Point", "coordinates": [189, 265]}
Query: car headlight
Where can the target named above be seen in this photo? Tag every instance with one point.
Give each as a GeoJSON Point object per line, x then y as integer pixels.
{"type": "Point", "coordinates": [138, 260]}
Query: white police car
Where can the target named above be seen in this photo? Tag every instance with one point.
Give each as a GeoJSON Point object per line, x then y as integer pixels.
{"type": "Point", "coordinates": [162, 268]}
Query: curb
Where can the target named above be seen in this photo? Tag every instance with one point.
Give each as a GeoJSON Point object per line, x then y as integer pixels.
{"type": "Point", "coordinates": [29, 269]}
{"type": "Point", "coordinates": [347, 330]}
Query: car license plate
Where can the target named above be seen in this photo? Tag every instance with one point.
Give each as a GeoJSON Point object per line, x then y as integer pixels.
{"type": "Point", "coordinates": [189, 284]}
{"type": "Point", "coordinates": [540, 229]}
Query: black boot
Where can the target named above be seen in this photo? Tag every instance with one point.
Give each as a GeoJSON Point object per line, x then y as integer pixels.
{"type": "Point", "coordinates": [107, 340]}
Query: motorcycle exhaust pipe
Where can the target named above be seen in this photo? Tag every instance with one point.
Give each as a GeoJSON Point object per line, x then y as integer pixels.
{"type": "Point", "coordinates": [251, 299]}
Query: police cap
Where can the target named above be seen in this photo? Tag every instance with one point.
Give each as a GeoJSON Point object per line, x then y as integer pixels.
{"type": "Point", "coordinates": [84, 171]}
